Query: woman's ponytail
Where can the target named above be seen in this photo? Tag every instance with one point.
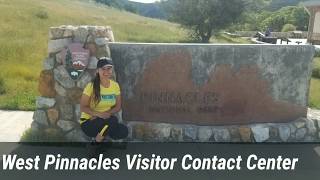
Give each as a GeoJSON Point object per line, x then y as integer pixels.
{"type": "Point", "coordinates": [96, 89]}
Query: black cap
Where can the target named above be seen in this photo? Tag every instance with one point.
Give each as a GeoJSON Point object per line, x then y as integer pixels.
{"type": "Point", "coordinates": [104, 61]}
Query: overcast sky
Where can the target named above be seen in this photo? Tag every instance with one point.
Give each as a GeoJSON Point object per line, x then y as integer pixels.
{"type": "Point", "coordinates": [144, 1]}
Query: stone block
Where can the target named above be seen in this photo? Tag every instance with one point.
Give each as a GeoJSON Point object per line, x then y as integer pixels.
{"type": "Point", "coordinates": [300, 123]}
{"type": "Point", "coordinates": [311, 126]}
{"type": "Point", "coordinates": [60, 58]}
{"type": "Point", "coordinates": [101, 41]}
{"type": "Point", "coordinates": [110, 35]}
{"type": "Point", "coordinates": [77, 136]}
{"type": "Point", "coordinates": [60, 90]}
{"type": "Point", "coordinates": [61, 32]}
{"type": "Point", "coordinates": [35, 126]}
{"type": "Point", "coordinates": [77, 112]}
{"type": "Point", "coordinates": [260, 133]}
{"type": "Point", "coordinates": [190, 133]}
{"type": "Point", "coordinates": [53, 116]}
{"type": "Point", "coordinates": [273, 132]}
{"type": "Point", "coordinates": [45, 103]}
{"type": "Point", "coordinates": [301, 133]}
{"type": "Point", "coordinates": [293, 129]}
{"type": "Point", "coordinates": [161, 131]}
{"type": "Point", "coordinates": [176, 134]}
{"type": "Point", "coordinates": [62, 76]}
{"type": "Point", "coordinates": [139, 131]}
{"type": "Point", "coordinates": [80, 34]}
{"type": "Point", "coordinates": [92, 49]}
{"type": "Point", "coordinates": [103, 51]}
{"type": "Point", "coordinates": [68, 32]}
{"type": "Point", "coordinates": [92, 63]}
{"type": "Point", "coordinates": [130, 129]}
{"type": "Point", "coordinates": [284, 132]}
{"type": "Point", "coordinates": [84, 80]}
{"type": "Point", "coordinates": [46, 84]}
{"type": "Point", "coordinates": [234, 133]}
{"type": "Point", "coordinates": [56, 32]}
{"type": "Point", "coordinates": [66, 111]}
{"type": "Point", "coordinates": [221, 135]}
{"type": "Point", "coordinates": [55, 46]}
{"type": "Point", "coordinates": [67, 125]}
{"type": "Point", "coordinates": [204, 133]}
{"type": "Point", "coordinates": [48, 63]}
{"type": "Point", "coordinates": [318, 123]}
{"type": "Point", "coordinates": [74, 95]}
{"type": "Point", "coordinates": [104, 31]}
{"type": "Point", "coordinates": [245, 134]}
{"type": "Point", "coordinates": [40, 117]}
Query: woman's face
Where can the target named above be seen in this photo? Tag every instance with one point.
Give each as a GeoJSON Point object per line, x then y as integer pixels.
{"type": "Point", "coordinates": [105, 72]}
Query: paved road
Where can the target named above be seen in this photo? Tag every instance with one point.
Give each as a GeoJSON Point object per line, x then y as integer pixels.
{"type": "Point", "coordinates": [13, 124]}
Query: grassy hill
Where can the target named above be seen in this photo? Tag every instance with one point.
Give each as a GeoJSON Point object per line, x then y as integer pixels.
{"type": "Point", "coordinates": [24, 39]}
{"type": "Point", "coordinates": [24, 29]}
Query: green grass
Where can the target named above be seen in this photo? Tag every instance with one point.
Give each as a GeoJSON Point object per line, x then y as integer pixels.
{"type": "Point", "coordinates": [24, 39]}
{"type": "Point", "coordinates": [2, 86]}
{"type": "Point", "coordinates": [224, 38]}
{"type": "Point", "coordinates": [314, 96]}
{"type": "Point", "coordinates": [316, 68]}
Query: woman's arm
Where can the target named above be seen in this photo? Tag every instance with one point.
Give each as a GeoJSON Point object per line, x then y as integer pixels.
{"type": "Point", "coordinates": [105, 115]}
{"type": "Point", "coordinates": [117, 107]}
{"type": "Point", "coordinates": [85, 105]}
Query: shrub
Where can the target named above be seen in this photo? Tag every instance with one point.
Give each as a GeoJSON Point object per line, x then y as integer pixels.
{"type": "Point", "coordinates": [288, 27]}
{"type": "Point", "coordinates": [316, 73]}
{"type": "Point", "coordinates": [42, 14]}
{"type": "Point", "coordinates": [316, 68]}
{"type": "Point", "coordinates": [47, 135]}
{"type": "Point", "coordinates": [317, 52]}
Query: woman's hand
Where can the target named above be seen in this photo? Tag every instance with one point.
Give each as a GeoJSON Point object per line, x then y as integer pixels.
{"type": "Point", "coordinates": [103, 115]}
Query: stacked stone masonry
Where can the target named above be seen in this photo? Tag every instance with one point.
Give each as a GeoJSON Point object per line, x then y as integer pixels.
{"type": "Point", "coordinates": [58, 106]}
{"type": "Point", "coordinates": [300, 130]}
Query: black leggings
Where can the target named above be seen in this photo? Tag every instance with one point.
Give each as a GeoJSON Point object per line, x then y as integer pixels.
{"type": "Point", "coordinates": [104, 127]}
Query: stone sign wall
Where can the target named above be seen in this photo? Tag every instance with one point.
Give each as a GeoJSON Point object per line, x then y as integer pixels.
{"type": "Point", "coordinates": [213, 84]}
{"type": "Point", "coordinates": [73, 53]}
{"type": "Point", "coordinates": [215, 93]}
{"type": "Point", "coordinates": [180, 92]}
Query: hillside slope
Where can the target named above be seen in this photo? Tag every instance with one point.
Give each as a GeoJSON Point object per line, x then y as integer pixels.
{"type": "Point", "coordinates": [24, 39]}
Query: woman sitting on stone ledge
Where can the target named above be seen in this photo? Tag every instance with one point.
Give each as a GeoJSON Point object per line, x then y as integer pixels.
{"type": "Point", "coordinates": [99, 102]}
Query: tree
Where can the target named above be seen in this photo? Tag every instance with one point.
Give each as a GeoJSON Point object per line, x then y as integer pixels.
{"type": "Point", "coordinates": [288, 28]}
{"type": "Point", "coordinates": [295, 15]}
{"type": "Point", "coordinates": [278, 4]}
{"type": "Point", "coordinates": [112, 3]}
{"type": "Point", "coordinates": [204, 17]}
{"type": "Point", "coordinates": [300, 18]}
{"type": "Point", "coordinates": [256, 5]}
